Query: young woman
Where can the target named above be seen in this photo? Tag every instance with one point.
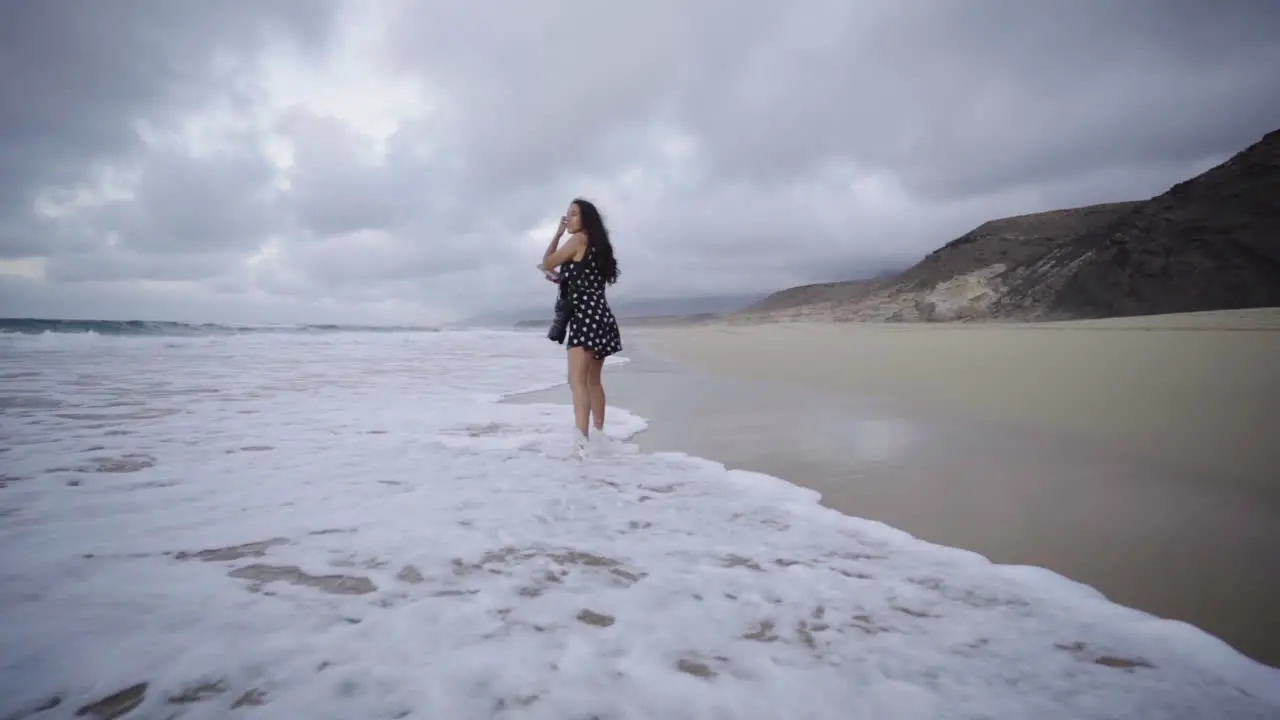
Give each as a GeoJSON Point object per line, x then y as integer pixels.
{"type": "Point", "coordinates": [587, 265]}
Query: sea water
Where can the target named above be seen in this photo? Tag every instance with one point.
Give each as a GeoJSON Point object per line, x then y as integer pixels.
{"type": "Point", "coordinates": [326, 523]}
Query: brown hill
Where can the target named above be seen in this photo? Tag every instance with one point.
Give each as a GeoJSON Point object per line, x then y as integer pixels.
{"type": "Point", "coordinates": [850, 291]}
{"type": "Point", "coordinates": [953, 282]}
{"type": "Point", "coordinates": [1210, 243]}
{"type": "Point", "coordinates": [1012, 241]}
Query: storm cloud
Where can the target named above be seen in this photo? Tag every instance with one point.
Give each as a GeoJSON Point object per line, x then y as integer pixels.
{"type": "Point", "coordinates": [400, 161]}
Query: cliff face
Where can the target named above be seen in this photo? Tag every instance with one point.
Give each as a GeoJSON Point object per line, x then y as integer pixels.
{"type": "Point", "coordinates": [959, 281]}
{"type": "Point", "coordinates": [1210, 243]}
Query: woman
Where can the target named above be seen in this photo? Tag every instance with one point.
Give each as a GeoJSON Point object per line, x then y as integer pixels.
{"type": "Point", "coordinates": [587, 265]}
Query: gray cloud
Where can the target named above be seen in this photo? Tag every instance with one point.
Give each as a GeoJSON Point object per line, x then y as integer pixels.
{"type": "Point", "coordinates": [78, 77]}
{"type": "Point", "coordinates": [116, 263]}
{"type": "Point", "coordinates": [335, 191]}
{"type": "Point", "coordinates": [185, 204]}
{"type": "Point", "coordinates": [734, 146]}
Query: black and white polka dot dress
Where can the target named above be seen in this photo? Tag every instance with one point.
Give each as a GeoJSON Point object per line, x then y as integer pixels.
{"type": "Point", "coordinates": [591, 322]}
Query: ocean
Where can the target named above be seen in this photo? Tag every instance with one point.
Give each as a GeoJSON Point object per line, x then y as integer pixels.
{"type": "Point", "coordinates": [39, 326]}
{"type": "Point", "coordinates": [330, 522]}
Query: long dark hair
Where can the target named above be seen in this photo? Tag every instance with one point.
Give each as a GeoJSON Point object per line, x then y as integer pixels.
{"type": "Point", "coordinates": [598, 238]}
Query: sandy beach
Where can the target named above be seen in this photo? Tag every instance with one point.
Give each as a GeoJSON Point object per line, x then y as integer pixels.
{"type": "Point", "coordinates": [1194, 392]}
{"type": "Point", "coordinates": [1124, 454]}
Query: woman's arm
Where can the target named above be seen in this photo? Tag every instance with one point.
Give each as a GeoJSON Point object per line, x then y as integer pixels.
{"type": "Point", "coordinates": [555, 241]}
{"type": "Point", "coordinates": [555, 258]}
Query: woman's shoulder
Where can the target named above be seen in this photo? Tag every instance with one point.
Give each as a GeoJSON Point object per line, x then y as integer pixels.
{"type": "Point", "coordinates": [581, 246]}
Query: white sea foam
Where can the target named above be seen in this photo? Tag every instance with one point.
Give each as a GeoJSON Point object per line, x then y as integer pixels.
{"type": "Point", "coordinates": [350, 526]}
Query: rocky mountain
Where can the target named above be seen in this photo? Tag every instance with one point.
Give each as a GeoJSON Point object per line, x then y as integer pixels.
{"type": "Point", "coordinates": [646, 310]}
{"type": "Point", "coordinates": [852, 291]}
{"type": "Point", "coordinates": [1209, 243]}
{"type": "Point", "coordinates": [649, 311]}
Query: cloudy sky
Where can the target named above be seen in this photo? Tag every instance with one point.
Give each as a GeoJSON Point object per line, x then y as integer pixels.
{"type": "Point", "coordinates": [406, 160]}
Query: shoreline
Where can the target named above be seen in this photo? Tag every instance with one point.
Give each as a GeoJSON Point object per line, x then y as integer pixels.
{"type": "Point", "coordinates": [359, 526]}
{"type": "Point", "coordinates": [1165, 542]}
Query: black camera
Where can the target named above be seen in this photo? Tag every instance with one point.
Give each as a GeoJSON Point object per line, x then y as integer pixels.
{"type": "Point", "coordinates": [560, 323]}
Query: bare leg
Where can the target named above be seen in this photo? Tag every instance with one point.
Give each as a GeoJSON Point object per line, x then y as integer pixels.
{"type": "Point", "coordinates": [595, 388]}
{"type": "Point", "coordinates": [579, 363]}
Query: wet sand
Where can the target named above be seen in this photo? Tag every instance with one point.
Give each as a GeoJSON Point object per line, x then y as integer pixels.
{"type": "Point", "coordinates": [1195, 392]}
{"type": "Point", "coordinates": [1120, 503]}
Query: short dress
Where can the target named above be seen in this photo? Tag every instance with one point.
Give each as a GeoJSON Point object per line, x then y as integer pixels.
{"type": "Point", "coordinates": [591, 322]}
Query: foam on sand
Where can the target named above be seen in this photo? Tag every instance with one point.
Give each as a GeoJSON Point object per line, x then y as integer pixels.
{"type": "Point", "coordinates": [351, 526]}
